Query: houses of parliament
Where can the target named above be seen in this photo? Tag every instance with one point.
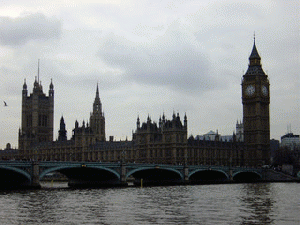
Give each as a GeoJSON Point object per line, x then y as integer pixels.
{"type": "Point", "coordinates": [164, 142]}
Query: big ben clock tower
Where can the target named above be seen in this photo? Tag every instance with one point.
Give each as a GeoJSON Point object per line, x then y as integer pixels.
{"type": "Point", "coordinates": [256, 117]}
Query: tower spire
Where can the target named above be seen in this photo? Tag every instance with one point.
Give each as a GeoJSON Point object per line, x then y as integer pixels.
{"type": "Point", "coordinates": [254, 53]}
{"type": "Point", "coordinates": [254, 67]}
{"type": "Point", "coordinates": [97, 103]}
{"type": "Point", "coordinates": [97, 120]}
{"type": "Point", "coordinates": [25, 85]}
{"type": "Point", "coordinates": [97, 92]}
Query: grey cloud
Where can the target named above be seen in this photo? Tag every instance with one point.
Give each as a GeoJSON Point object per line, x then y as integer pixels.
{"type": "Point", "coordinates": [18, 31]}
{"type": "Point", "coordinates": [9, 77]}
{"type": "Point", "coordinates": [173, 60]}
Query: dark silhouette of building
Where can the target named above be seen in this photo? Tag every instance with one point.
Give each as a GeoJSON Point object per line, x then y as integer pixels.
{"type": "Point", "coordinates": [37, 117]}
{"type": "Point", "coordinates": [162, 142]}
{"type": "Point", "coordinates": [291, 141]}
{"type": "Point", "coordinates": [62, 133]}
{"type": "Point", "coordinates": [165, 142]}
{"type": "Point", "coordinates": [97, 120]}
{"type": "Point", "coordinates": [256, 118]}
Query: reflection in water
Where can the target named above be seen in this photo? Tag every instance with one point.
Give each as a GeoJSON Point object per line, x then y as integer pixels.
{"type": "Point", "coordinates": [200, 204]}
{"type": "Point", "coordinates": [38, 207]}
{"type": "Point", "coordinates": [257, 203]}
{"type": "Point", "coordinates": [161, 203]}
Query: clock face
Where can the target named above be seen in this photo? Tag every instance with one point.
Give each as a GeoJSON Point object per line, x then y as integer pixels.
{"type": "Point", "coordinates": [264, 90]}
{"type": "Point", "coordinates": [250, 90]}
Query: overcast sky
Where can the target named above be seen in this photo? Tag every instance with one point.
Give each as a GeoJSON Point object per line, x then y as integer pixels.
{"type": "Point", "coordinates": [148, 57]}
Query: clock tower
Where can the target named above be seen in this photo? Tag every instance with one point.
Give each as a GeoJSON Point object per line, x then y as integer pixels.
{"type": "Point", "coordinates": [256, 116]}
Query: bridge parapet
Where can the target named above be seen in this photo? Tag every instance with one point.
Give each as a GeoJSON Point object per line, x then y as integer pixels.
{"type": "Point", "coordinates": [47, 166]}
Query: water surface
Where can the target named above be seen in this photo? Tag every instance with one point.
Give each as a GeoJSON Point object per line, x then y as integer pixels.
{"type": "Point", "coordinates": [261, 203]}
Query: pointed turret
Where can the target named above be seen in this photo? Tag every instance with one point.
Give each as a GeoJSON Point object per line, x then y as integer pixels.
{"type": "Point", "coordinates": [37, 86]}
{"type": "Point", "coordinates": [51, 86]}
{"type": "Point", "coordinates": [97, 119]}
{"type": "Point", "coordinates": [233, 137]}
{"type": "Point", "coordinates": [185, 121]}
{"type": "Point", "coordinates": [254, 54]}
{"type": "Point", "coordinates": [163, 118]}
{"type": "Point", "coordinates": [160, 122]}
{"type": "Point", "coordinates": [24, 85]}
{"type": "Point", "coordinates": [24, 92]}
{"type": "Point", "coordinates": [217, 137]}
{"type": "Point", "coordinates": [51, 89]}
{"type": "Point", "coordinates": [173, 115]}
{"type": "Point", "coordinates": [254, 67]}
{"type": "Point", "coordinates": [62, 133]}
{"type": "Point", "coordinates": [138, 124]}
{"type": "Point", "coordinates": [97, 107]}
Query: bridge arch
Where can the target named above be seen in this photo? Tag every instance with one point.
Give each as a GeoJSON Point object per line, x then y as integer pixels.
{"type": "Point", "coordinates": [208, 175]}
{"type": "Point", "coordinates": [246, 176]}
{"type": "Point", "coordinates": [154, 168]}
{"type": "Point", "coordinates": [156, 176]}
{"type": "Point", "coordinates": [21, 176]}
{"type": "Point", "coordinates": [17, 170]}
{"type": "Point", "coordinates": [61, 168]}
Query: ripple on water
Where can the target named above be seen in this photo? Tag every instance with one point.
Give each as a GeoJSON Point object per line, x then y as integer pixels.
{"type": "Point", "coordinates": [276, 203]}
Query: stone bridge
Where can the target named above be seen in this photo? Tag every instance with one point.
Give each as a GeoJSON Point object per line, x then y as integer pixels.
{"type": "Point", "coordinates": [28, 174]}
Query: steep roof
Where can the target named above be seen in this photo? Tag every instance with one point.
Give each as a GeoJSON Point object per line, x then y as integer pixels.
{"type": "Point", "coordinates": [255, 67]}
{"type": "Point", "coordinates": [254, 54]}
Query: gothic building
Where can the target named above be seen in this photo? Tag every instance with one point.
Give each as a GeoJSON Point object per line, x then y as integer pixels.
{"type": "Point", "coordinates": [37, 117]}
{"type": "Point", "coordinates": [165, 142]}
{"type": "Point", "coordinates": [97, 120]}
{"type": "Point", "coordinates": [92, 132]}
{"type": "Point", "coordinates": [162, 142]}
{"type": "Point", "coordinates": [256, 118]}
{"type": "Point", "coordinates": [239, 131]}
{"type": "Point", "coordinates": [36, 135]}
{"type": "Point", "coordinates": [62, 133]}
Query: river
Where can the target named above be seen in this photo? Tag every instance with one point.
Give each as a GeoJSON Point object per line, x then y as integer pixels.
{"type": "Point", "coordinates": [260, 203]}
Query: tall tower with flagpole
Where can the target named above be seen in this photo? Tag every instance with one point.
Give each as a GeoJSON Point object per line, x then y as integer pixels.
{"type": "Point", "coordinates": [37, 116]}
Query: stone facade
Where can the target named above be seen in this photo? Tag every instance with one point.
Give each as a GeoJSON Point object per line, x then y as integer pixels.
{"type": "Point", "coordinates": [164, 142]}
{"type": "Point", "coordinates": [37, 117]}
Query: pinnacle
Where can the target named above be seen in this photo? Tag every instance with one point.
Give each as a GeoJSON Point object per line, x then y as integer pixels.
{"type": "Point", "coordinates": [254, 53]}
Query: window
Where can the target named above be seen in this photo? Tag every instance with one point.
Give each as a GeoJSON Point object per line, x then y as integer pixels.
{"type": "Point", "coordinates": [29, 120]}
{"type": "Point", "coordinates": [43, 120]}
